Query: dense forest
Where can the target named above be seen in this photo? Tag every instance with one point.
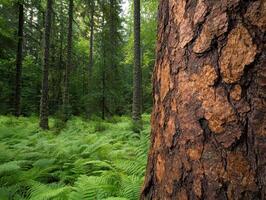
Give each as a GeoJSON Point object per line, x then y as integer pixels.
{"type": "Point", "coordinates": [81, 53]}
{"type": "Point", "coordinates": [132, 99]}
{"type": "Point", "coordinates": [75, 84]}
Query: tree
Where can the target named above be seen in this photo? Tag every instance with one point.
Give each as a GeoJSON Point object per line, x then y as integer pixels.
{"type": "Point", "coordinates": [208, 121]}
{"type": "Point", "coordinates": [69, 61]}
{"type": "Point", "coordinates": [44, 109]}
{"type": "Point", "coordinates": [19, 60]}
{"type": "Point", "coordinates": [137, 88]}
{"type": "Point", "coordinates": [92, 10]}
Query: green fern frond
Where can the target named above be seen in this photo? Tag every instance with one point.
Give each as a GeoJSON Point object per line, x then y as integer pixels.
{"type": "Point", "coordinates": [116, 198]}
{"type": "Point", "coordinates": [131, 187]}
{"type": "Point", "coordinates": [9, 167]}
{"type": "Point", "coordinates": [41, 191]}
{"type": "Point", "coordinates": [91, 187]}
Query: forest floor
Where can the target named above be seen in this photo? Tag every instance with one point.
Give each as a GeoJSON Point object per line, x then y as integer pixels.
{"type": "Point", "coordinates": [86, 159]}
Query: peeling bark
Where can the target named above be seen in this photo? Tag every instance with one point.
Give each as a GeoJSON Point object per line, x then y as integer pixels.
{"type": "Point", "coordinates": [208, 121]}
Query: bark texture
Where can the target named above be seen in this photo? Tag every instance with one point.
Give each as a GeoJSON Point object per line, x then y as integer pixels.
{"type": "Point", "coordinates": [66, 105]}
{"type": "Point", "coordinates": [44, 109]}
{"type": "Point", "coordinates": [17, 103]}
{"type": "Point", "coordinates": [208, 122]}
{"type": "Point", "coordinates": [137, 83]}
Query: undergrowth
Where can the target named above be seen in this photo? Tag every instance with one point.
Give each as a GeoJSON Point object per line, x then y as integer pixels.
{"type": "Point", "coordinates": [93, 159]}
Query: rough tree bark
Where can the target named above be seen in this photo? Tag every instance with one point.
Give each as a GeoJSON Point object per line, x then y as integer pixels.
{"type": "Point", "coordinates": [208, 122]}
{"type": "Point", "coordinates": [66, 105]}
{"type": "Point", "coordinates": [44, 109]}
{"type": "Point", "coordinates": [17, 103]}
{"type": "Point", "coordinates": [137, 83]}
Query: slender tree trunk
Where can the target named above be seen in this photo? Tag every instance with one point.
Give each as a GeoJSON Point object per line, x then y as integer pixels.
{"type": "Point", "coordinates": [208, 120]}
{"type": "Point", "coordinates": [103, 48]}
{"type": "Point", "coordinates": [44, 108]}
{"type": "Point", "coordinates": [137, 83]}
{"type": "Point", "coordinates": [69, 61]}
{"type": "Point", "coordinates": [112, 33]}
{"type": "Point", "coordinates": [19, 61]}
{"type": "Point", "coordinates": [103, 92]}
{"type": "Point", "coordinates": [61, 36]}
{"type": "Point", "coordinates": [91, 36]}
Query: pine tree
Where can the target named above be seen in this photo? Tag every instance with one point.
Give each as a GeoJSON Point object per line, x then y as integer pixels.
{"type": "Point", "coordinates": [137, 83]}
{"type": "Point", "coordinates": [44, 107]}
{"type": "Point", "coordinates": [19, 60]}
{"type": "Point", "coordinates": [66, 105]}
{"type": "Point", "coordinates": [92, 11]}
{"type": "Point", "coordinates": [208, 121]}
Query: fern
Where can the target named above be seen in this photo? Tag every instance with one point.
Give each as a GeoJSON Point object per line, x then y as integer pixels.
{"type": "Point", "coordinates": [9, 167]}
{"type": "Point", "coordinates": [91, 187]}
{"type": "Point", "coordinates": [76, 164]}
{"type": "Point", "coordinates": [41, 191]}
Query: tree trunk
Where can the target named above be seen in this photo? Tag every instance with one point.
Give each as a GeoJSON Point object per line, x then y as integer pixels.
{"type": "Point", "coordinates": [91, 37]}
{"type": "Point", "coordinates": [19, 61]}
{"type": "Point", "coordinates": [103, 92]}
{"type": "Point", "coordinates": [208, 121]}
{"type": "Point", "coordinates": [69, 61]}
{"type": "Point", "coordinates": [137, 83]}
{"type": "Point", "coordinates": [44, 109]}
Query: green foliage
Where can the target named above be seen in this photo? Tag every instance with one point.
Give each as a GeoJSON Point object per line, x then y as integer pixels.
{"type": "Point", "coordinates": [110, 79]}
{"type": "Point", "coordinates": [82, 161]}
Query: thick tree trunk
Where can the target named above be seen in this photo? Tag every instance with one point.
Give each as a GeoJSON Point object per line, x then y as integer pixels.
{"type": "Point", "coordinates": [208, 121]}
{"type": "Point", "coordinates": [91, 36]}
{"type": "Point", "coordinates": [17, 102]}
{"type": "Point", "coordinates": [44, 109]}
{"type": "Point", "coordinates": [137, 83]}
{"type": "Point", "coordinates": [66, 105]}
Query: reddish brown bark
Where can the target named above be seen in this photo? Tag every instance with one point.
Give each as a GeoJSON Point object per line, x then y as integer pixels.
{"type": "Point", "coordinates": [208, 121]}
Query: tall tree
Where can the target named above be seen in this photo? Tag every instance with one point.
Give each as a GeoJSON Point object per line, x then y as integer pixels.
{"type": "Point", "coordinates": [44, 107]}
{"type": "Point", "coordinates": [137, 83]}
{"type": "Point", "coordinates": [208, 121]}
{"type": "Point", "coordinates": [69, 61]}
{"type": "Point", "coordinates": [92, 10]}
{"type": "Point", "coordinates": [19, 60]}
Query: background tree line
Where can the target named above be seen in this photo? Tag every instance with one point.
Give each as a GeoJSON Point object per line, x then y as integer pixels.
{"type": "Point", "coordinates": [87, 62]}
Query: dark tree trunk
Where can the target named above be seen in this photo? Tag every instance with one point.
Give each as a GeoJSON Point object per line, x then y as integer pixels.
{"type": "Point", "coordinates": [112, 33]}
{"type": "Point", "coordinates": [44, 108]}
{"type": "Point", "coordinates": [208, 120]}
{"type": "Point", "coordinates": [137, 83]}
{"type": "Point", "coordinates": [66, 105]}
{"type": "Point", "coordinates": [60, 64]}
{"type": "Point", "coordinates": [103, 46]}
{"type": "Point", "coordinates": [19, 61]}
{"type": "Point", "coordinates": [103, 92]}
{"type": "Point", "coordinates": [91, 36]}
